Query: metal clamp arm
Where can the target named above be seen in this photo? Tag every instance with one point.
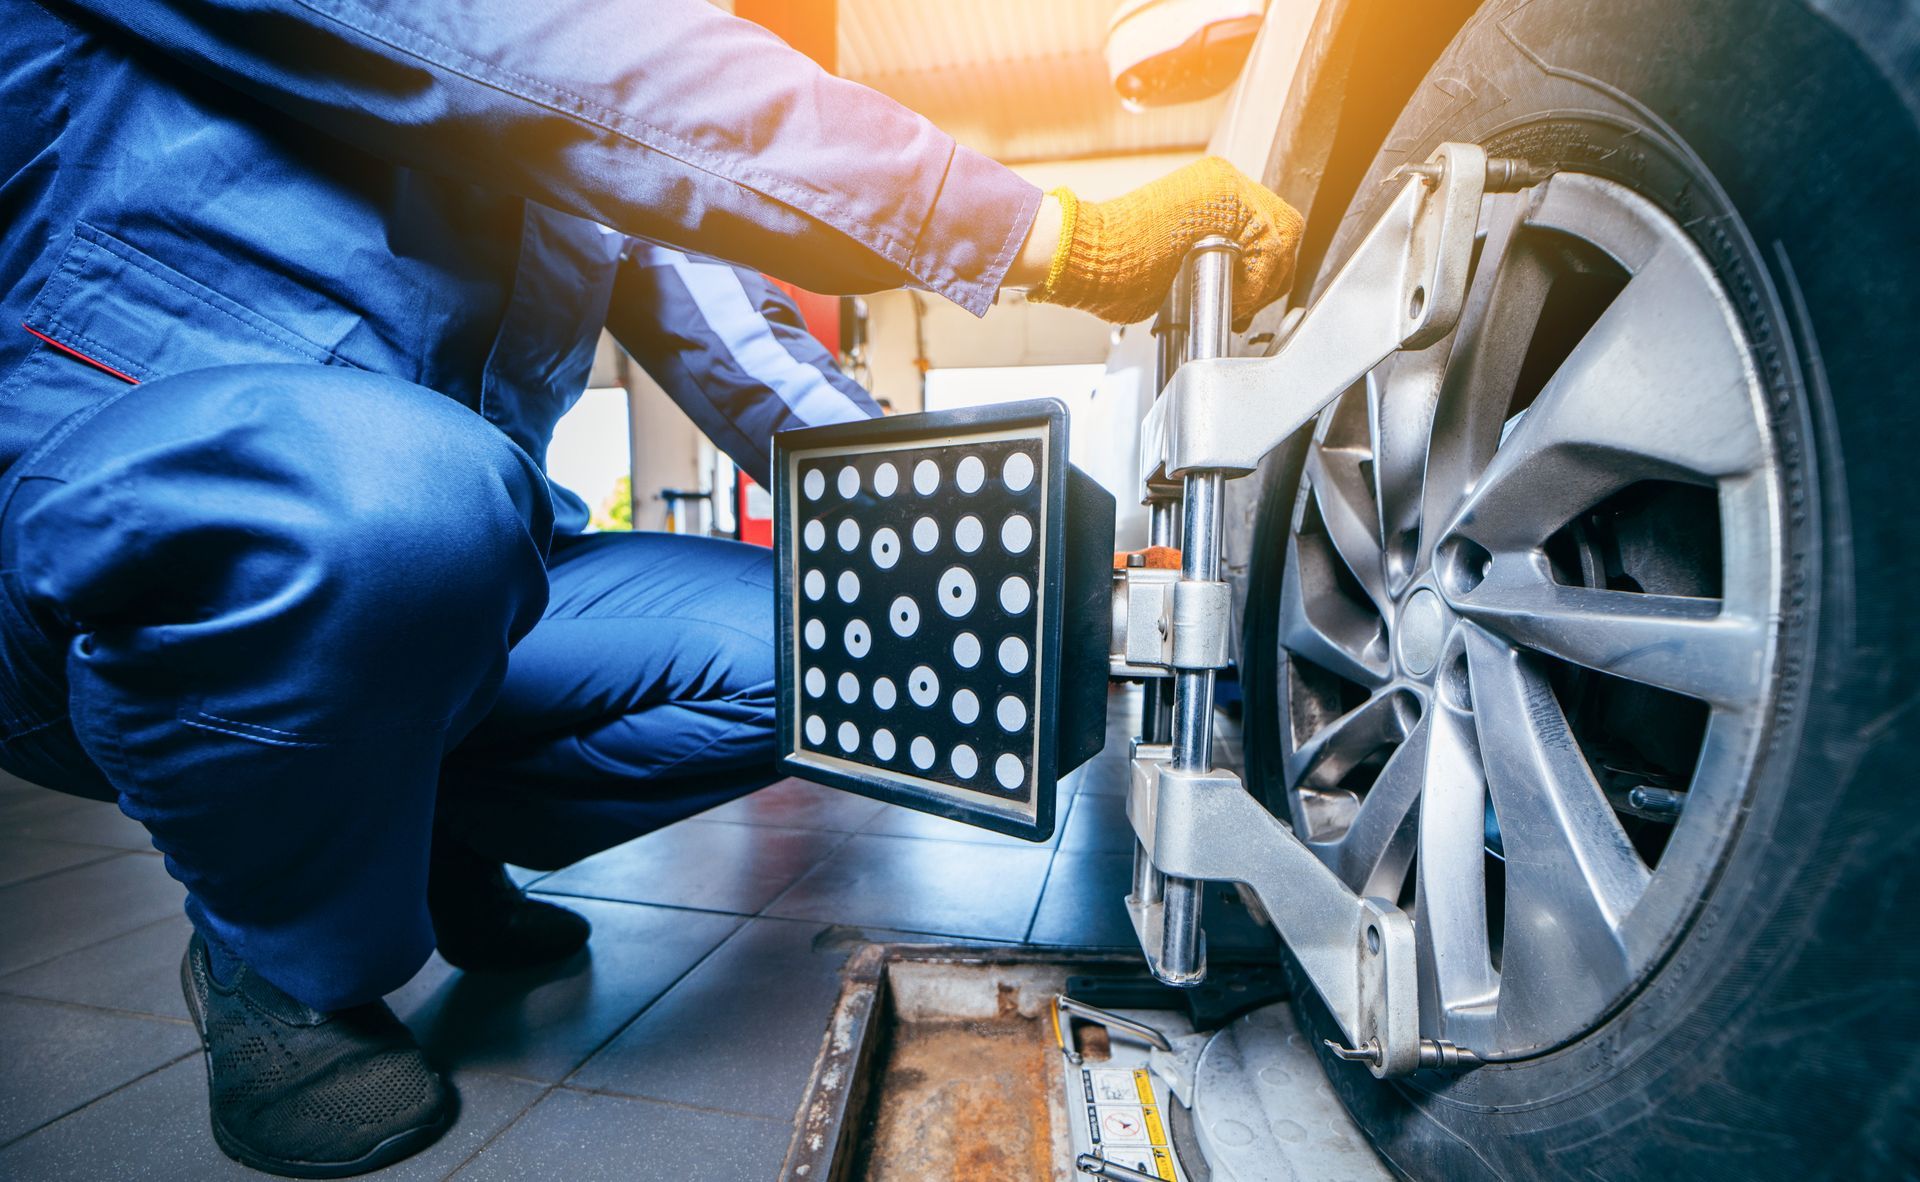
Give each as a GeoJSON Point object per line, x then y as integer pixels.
{"type": "Point", "coordinates": [1402, 288]}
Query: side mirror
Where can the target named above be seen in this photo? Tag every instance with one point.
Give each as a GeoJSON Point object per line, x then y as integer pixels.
{"type": "Point", "coordinates": [1176, 51]}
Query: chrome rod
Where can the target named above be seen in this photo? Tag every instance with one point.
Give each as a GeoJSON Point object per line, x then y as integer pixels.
{"type": "Point", "coordinates": [1210, 273]}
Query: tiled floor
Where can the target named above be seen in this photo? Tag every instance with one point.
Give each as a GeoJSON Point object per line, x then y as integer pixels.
{"type": "Point", "coordinates": [678, 1049]}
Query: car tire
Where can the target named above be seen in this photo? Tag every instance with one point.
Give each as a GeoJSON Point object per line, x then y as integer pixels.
{"type": "Point", "coordinates": [1780, 1035]}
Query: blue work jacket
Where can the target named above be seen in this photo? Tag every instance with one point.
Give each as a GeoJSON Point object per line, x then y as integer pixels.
{"type": "Point", "coordinates": [460, 193]}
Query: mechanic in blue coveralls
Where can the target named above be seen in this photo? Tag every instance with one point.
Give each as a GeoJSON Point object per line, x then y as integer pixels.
{"type": "Point", "coordinates": [294, 292]}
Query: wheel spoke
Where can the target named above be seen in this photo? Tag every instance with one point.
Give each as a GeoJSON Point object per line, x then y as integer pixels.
{"type": "Point", "coordinates": [1636, 399]}
{"type": "Point", "coordinates": [1572, 875]}
{"type": "Point", "coordinates": [1401, 395]}
{"type": "Point", "coordinates": [1503, 305]}
{"type": "Point", "coordinates": [1689, 646]}
{"type": "Point", "coordinates": [1346, 506]}
{"type": "Point", "coordinates": [1373, 855]}
{"type": "Point", "coordinates": [1453, 904]}
{"type": "Point", "coordinates": [1328, 754]}
{"type": "Point", "coordinates": [1319, 622]}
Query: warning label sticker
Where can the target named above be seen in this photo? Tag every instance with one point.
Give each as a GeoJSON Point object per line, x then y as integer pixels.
{"type": "Point", "coordinates": [1114, 1087]}
{"type": "Point", "coordinates": [1123, 1125]}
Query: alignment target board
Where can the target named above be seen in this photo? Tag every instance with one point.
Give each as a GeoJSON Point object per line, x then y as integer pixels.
{"type": "Point", "coordinates": [918, 589]}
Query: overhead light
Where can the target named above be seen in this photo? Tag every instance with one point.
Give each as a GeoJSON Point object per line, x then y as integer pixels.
{"type": "Point", "coordinates": [943, 587]}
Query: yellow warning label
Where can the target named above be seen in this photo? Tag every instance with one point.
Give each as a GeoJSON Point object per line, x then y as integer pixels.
{"type": "Point", "coordinates": [1156, 1133]}
{"type": "Point", "coordinates": [1163, 1164]}
{"type": "Point", "coordinates": [1143, 1082]}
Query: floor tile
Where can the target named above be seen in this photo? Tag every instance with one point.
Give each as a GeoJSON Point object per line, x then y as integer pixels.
{"type": "Point", "coordinates": [1105, 775]}
{"type": "Point", "coordinates": [156, 1131]}
{"type": "Point", "coordinates": [70, 909]}
{"type": "Point", "coordinates": [541, 1024]}
{"type": "Point", "coordinates": [22, 858]}
{"type": "Point", "coordinates": [1098, 825]}
{"type": "Point", "coordinates": [139, 971]}
{"type": "Point", "coordinates": [71, 818]}
{"type": "Point", "coordinates": [800, 805]}
{"type": "Point", "coordinates": [590, 1138]}
{"type": "Point", "coordinates": [741, 1031]}
{"type": "Point", "coordinates": [715, 867]}
{"type": "Point", "coordinates": [59, 1057]}
{"type": "Point", "coordinates": [899, 821]}
{"type": "Point", "coordinates": [951, 887]}
{"type": "Point", "coordinates": [1085, 902]}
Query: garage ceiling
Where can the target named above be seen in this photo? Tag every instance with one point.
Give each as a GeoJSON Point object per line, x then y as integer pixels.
{"type": "Point", "coordinates": [1020, 80]}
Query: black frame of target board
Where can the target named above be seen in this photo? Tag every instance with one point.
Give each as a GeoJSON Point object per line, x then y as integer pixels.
{"type": "Point", "coordinates": [1073, 524]}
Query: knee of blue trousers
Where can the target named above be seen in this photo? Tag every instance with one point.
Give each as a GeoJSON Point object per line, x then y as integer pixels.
{"type": "Point", "coordinates": [292, 589]}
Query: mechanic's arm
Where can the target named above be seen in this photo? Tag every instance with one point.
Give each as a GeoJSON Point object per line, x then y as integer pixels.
{"type": "Point", "coordinates": [666, 119]}
{"type": "Point", "coordinates": [731, 349]}
{"type": "Point", "coordinates": [672, 121]}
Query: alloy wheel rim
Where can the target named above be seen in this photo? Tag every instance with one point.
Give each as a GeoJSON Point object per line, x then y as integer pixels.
{"type": "Point", "coordinates": [1527, 617]}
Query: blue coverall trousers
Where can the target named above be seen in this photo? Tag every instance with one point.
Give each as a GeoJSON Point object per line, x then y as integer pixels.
{"type": "Point", "coordinates": [293, 617]}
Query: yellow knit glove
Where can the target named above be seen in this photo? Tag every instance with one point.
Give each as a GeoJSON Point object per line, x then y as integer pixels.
{"type": "Point", "coordinates": [1117, 258]}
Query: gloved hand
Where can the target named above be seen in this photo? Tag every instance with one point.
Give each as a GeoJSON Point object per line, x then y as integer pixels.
{"type": "Point", "coordinates": [1118, 258]}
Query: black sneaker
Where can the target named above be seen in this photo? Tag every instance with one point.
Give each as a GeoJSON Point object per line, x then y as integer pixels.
{"type": "Point", "coordinates": [297, 1092]}
{"type": "Point", "coordinates": [482, 921]}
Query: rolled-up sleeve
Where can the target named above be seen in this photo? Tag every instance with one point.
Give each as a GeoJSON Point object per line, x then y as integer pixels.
{"type": "Point", "coordinates": [666, 119]}
{"type": "Point", "coordinates": [731, 350]}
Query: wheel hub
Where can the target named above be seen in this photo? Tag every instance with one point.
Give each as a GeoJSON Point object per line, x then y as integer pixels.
{"type": "Point", "coordinates": [1422, 629]}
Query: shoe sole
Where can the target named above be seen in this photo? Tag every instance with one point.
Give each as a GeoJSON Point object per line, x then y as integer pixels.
{"type": "Point", "coordinates": [396, 1148]}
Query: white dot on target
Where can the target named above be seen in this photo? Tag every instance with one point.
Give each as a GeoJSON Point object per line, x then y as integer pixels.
{"type": "Point", "coordinates": [1016, 534]}
{"type": "Point", "coordinates": [815, 584]}
{"type": "Point", "coordinates": [816, 682]}
{"type": "Point", "coordinates": [964, 762]}
{"type": "Point", "coordinates": [816, 729]}
{"type": "Point", "coordinates": [884, 695]}
{"type": "Point", "coordinates": [848, 533]}
{"type": "Point", "coordinates": [814, 534]}
{"type": "Point", "coordinates": [859, 640]}
{"type": "Point", "coordinates": [968, 533]}
{"type": "Point", "coordinates": [923, 686]}
{"type": "Point", "coordinates": [926, 477]}
{"type": "Point", "coordinates": [849, 481]}
{"type": "Point", "coordinates": [1010, 713]}
{"type": "Point", "coordinates": [970, 474]}
{"type": "Point", "coordinates": [883, 743]}
{"type": "Point", "coordinates": [814, 484]}
{"type": "Point", "coordinates": [1015, 595]}
{"type": "Point", "coordinates": [956, 592]}
{"type": "Point", "coordinates": [1018, 471]}
{"type": "Point", "coordinates": [886, 548]}
{"type": "Point", "coordinates": [966, 707]}
{"type": "Point", "coordinates": [926, 534]}
{"type": "Point", "coordinates": [1008, 771]}
{"type": "Point", "coordinates": [920, 751]}
{"type": "Point", "coordinates": [849, 587]}
{"type": "Point", "coordinates": [849, 688]}
{"type": "Point", "coordinates": [966, 650]}
{"type": "Point", "coordinates": [815, 633]}
{"type": "Point", "coordinates": [849, 736]}
{"type": "Point", "coordinates": [904, 616]}
{"type": "Point", "coordinates": [886, 479]}
{"type": "Point", "coordinates": [1013, 654]}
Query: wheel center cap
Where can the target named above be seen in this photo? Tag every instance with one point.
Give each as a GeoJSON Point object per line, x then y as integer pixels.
{"type": "Point", "coordinates": [1423, 627]}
